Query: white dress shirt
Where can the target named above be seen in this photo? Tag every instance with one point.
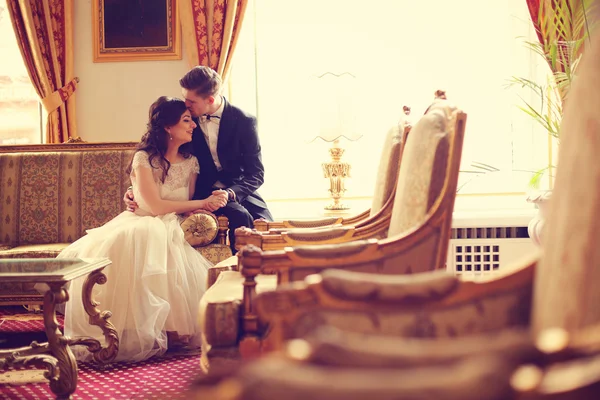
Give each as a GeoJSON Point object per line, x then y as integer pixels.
{"type": "Point", "coordinates": [210, 128]}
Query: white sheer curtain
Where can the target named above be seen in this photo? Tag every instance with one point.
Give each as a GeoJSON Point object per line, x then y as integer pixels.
{"type": "Point", "coordinates": [401, 51]}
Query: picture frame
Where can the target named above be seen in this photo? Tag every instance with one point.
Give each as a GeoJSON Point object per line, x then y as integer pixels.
{"type": "Point", "coordinates": [136, 30]}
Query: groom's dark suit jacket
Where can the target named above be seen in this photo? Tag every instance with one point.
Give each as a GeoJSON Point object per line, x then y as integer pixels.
{"type": "Point", "coordinates": [239, 153]}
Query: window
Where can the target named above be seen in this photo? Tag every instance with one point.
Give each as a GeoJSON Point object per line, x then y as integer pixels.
{"type": "Point", "coordinates": [400, 51]}
{"type": "Point", "coordinates": [20, 108]}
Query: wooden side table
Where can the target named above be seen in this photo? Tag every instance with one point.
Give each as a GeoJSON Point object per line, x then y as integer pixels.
{"type": "Point", "coordinates": [56, 355]}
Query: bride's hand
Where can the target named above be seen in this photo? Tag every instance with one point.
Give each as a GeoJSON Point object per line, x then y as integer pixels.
{"type": "Point", "coordinates": [214, 202]}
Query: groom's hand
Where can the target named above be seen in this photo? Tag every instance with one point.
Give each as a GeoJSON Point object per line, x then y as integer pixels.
{"type": "Point", "coordinates": [222, 194]}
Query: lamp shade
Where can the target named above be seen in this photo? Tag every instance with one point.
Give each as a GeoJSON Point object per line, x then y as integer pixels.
{"type": "Point", "coordinates": [336, 107]}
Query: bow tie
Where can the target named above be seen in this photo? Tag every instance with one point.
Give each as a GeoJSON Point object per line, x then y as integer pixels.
{"type": "Point", "coordinates": [207, 117]}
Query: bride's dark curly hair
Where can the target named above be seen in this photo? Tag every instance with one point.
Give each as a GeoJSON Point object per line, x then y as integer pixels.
{"type": "Point", "coordinates": [164, 112]}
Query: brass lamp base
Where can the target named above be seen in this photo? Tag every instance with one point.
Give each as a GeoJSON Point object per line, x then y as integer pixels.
{"type": "Point", "coordinates": [336, 171]}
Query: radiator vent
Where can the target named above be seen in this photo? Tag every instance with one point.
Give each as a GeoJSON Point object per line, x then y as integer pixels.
{"type": "Point", "coordinates": [476, 253]}
{"type": "Point", "coordinates": [477, 258]}
{"type": "Point", "coordinates": [490, 233]}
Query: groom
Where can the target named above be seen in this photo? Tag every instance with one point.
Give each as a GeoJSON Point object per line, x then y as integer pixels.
{"type": "Point", "coordinates": [228, 150]}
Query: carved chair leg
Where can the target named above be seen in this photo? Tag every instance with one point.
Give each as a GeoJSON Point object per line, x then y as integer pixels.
{"type": "Point", "coordinates": [66, 383]}
{"type": "Point", "coordinates": [103, 355]}
{"type": "Point", "coordinates": [250, 346]}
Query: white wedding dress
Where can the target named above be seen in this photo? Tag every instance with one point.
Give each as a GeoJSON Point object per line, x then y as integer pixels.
{"type": "Point", "coordinates": [156, 278]}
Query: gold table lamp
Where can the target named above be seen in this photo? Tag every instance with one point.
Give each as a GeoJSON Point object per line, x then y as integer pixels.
{"type": "Point", "coordinates": [336, 171]}
{"type": "Point", "coordinates": [338, 112]}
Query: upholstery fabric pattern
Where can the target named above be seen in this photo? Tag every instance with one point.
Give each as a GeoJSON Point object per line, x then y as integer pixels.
{"type": "Point", "coordinates": [509, 309]}
{"type": "Point", "coordinates": [55, 197]}
{"type": "Point", "coordinates": [366, 287]}
{"type": "Point", "coordinates": [215, 253]}
{"type": "Point", "coordinates": [388, 168]}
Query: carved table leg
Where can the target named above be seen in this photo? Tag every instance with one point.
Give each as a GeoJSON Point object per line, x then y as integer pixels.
{"type": "Point", "coordinates": [103, 355]}
{"type": "Point", "coordinates": [66, 383]}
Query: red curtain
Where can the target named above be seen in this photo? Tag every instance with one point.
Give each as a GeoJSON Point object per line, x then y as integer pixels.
{"type": "Point", "coordinates": [44, 30]}
{"type": "Point", "coordinates": [559, 28]}
{"type": "Point", "coordinates": [211, 30]}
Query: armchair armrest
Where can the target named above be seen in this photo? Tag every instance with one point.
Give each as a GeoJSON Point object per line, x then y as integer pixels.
{"type": "Point", "coordinates": [223, 229]}
{"type": "Point", "coordinates": [262, 225]}
{"type": "Point", "coordinates": [279, 238]}
{"type": "Point", "coordinates": [329, 346]}
{"type": "Point", "coordinates": [417, 288]}
{"type": "Point", "coordinates": [475, 378]}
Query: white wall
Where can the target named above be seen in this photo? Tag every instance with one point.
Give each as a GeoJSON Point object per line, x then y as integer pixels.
{"type": "Point", "coordinates": [112, 98]}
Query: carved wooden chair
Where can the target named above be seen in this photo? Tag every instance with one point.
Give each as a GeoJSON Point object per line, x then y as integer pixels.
{"type": "Point", "coordinates": [385, 186]}
{"type": "Point", "coordinates": [381, 205]}
{"type": "Point", "coordinates": [477, 378]}
{"type": "Point", "coordinates": [372, 223]}
{"type": "Point", "coordinates": [419, 233]}
{"type": "Point", "coordinates": [428, 305]}
{"type": "Point", "coordinates": [509, 365]}
{"type": "Point", "coordinates": [378, 216]}
{"type": "Point", "coordinates": [387, 175]}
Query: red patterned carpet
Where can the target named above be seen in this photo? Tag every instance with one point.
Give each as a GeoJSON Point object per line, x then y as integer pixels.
{"type": "Point", "coordinates": [167, 377]}
{"type": "Point", "coordinates": [164, 378]}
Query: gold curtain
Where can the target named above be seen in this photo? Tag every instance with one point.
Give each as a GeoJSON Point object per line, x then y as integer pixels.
{"type": "Point", "coordinates": [210, 30]}
{"type": "Point", "coordinates": [44, 30]}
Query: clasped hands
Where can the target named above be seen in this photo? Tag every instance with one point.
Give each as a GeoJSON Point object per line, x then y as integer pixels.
{"type": "Point", "coordinates": [216, 200]}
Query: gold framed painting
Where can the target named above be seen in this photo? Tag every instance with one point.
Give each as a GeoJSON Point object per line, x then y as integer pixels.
{"type": "Point", "coordinates": [136, 30]}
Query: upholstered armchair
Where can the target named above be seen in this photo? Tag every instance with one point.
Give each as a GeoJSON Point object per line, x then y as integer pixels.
{"type": "Point", "coordinates": [373, 221]}
{"type": "Point", "coordinates": [428, 305]}
{"type": "Point", "coordinates": [476, 378]}
{"type": "Point", "coordinates": [418, 239]}
{"type": "Point", "coordinates": [387, 175]}
{"type": "Point", "coordinates": [508, 365]}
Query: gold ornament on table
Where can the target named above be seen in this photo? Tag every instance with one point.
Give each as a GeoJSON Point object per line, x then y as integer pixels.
{"type": "Point", "coordinates": [338, 119]}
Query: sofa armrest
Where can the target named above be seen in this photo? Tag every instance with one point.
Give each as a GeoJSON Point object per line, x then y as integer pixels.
{"type": "Point", "coordinates": [230, 264]}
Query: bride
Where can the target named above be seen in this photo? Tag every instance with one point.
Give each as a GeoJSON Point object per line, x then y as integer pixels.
{"type": "Point", "coordinates": [156, 278]}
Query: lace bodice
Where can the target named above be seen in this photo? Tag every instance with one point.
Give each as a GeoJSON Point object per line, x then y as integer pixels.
{"type": "Point", "coordinates": [176, 184]}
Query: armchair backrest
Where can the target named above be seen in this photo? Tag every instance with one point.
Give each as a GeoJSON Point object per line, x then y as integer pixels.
{"type": "Point", "coordinates": [389, 164]}
{"type": "Point", "coordinates": [424, 169]}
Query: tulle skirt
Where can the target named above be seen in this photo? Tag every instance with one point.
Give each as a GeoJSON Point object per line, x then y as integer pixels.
{"type": "Point", "coordinates": [154, 284]}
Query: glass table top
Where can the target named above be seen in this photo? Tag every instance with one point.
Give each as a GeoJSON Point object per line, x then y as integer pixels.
{"type": "Point", "coordinates": [48, 269]}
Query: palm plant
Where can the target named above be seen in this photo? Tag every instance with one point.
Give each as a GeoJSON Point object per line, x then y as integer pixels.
{"type": "Point", "coordinates": [562, 28]}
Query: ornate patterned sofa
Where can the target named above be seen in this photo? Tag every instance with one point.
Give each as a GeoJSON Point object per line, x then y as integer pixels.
{"type": "Point", "coordinates": [51, 194]}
